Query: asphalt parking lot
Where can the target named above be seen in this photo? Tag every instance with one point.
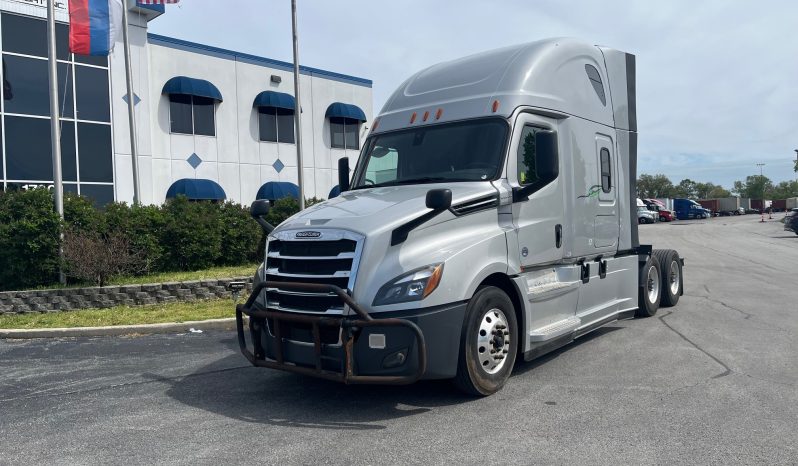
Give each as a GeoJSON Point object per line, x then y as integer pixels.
{"type": "Point", "coordinates": [713, 380]}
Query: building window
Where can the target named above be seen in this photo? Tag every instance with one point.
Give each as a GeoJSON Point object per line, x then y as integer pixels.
{"type": "Point", "coordinates": [192, 115]}
{"type": "Point", "coordinates": [276, 125]}
{"type": "Point", "coordinates": [606, 170]}
{"type": "Point", "coordinates": [344, 133]}
{"type": "Point", "coordinates": [84, 109]}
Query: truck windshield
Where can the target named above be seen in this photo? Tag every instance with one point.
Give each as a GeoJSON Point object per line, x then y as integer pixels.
{"type": "Point", "coordinates": [465, 151]}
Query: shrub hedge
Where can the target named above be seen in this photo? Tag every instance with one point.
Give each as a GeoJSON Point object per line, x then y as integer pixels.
{"type": "Point", "coordinates": [178, 235]}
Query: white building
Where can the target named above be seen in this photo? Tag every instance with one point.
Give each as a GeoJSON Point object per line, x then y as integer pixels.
{"type": "Point", "coordinates": [202, 113]}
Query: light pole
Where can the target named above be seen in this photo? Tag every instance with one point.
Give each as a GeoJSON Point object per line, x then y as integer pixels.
{"type": "Point", "coordinates": [761, 180]}
{"type": "Point", "coordinates": [298, 111]}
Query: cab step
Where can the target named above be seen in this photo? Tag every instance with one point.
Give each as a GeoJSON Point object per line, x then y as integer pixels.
{"type": "Point", "coordinates": [557, 329]}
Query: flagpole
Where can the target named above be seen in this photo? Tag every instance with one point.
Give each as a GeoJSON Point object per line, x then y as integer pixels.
{"type": "Point", "coordinates": [55, 131]}
{"type": "Point", "coordinates": [298, 110]}
{"type": "Point", "coordinates": [131, 105]}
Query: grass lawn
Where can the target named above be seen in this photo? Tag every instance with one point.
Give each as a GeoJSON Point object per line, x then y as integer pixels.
{"type": "Point", "coordinates": [215, 272]}
{"type": "Point", "coordinates": [123, 315]}
{"type": "Point", "coordinates": [247, 270]}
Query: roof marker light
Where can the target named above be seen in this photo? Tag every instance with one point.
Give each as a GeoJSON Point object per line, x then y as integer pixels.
{"type": "Point", "coordinates": [426, 116]}
{"type": "Point", "coordinates": [438, 114]}
{"type": "Point", "coordinates": [413, 118]}
{"type": "Point", "coordinates": [495, 106]}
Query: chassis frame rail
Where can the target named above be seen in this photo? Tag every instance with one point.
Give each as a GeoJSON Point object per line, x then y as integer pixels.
{"type": "Point", "coordinates": [350, 328]}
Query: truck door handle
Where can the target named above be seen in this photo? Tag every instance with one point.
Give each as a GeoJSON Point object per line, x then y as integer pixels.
{"type": "Point", "coordinates": [558, 235]}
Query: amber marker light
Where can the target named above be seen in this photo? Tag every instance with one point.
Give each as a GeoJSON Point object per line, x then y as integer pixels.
{"type": "Point", "coordinates": [413, 118]}
{"type": "Point", "coordinates": [434, 280]}
{"type": "Point", "coordinates": [495, 106]}
{"type": "Point", "coordinates": [426, 116]}
{"type": "Point", "coordinates": [438, 114]}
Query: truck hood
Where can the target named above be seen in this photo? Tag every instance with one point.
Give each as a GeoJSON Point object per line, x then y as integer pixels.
{"type": "Point", "coordinates": [374, 210]}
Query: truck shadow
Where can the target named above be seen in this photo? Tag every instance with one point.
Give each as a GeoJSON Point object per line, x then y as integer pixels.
{"type": "Point", "coordinates": [230, 387]}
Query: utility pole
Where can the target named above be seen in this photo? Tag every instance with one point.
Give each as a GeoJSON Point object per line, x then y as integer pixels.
{"type": "Point", "coordinates": [131, 105]}
{"type": "Point", "coordinates": [55, 132]}
{"type": "Point", "coordinates": [297, 111]}
{"type": "Point", "coordinates": [761, 180]}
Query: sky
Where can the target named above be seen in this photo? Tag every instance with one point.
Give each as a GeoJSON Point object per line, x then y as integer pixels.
{"type": "Point", "coordinates": [716, 79]}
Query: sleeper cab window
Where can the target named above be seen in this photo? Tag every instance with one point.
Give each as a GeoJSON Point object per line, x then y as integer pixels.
{"type": "Point", "coordinates": [276, 125]}
{"type": "Point", "coordinates": [527, 156]}
{"type": "Point", "coordinates": [192, 115]}
{"type": "Point", "coordinates": [606, 170]}
{"type": "Point", "coordinates": [344, 133]}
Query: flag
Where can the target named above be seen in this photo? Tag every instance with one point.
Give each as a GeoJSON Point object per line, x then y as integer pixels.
{"type": "Point", "coordinates": [156, 2]}
{"type": "Point", "coordinates": [94, 26]}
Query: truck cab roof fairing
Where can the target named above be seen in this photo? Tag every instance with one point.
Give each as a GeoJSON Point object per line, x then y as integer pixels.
{"type": "Point", "coordinates": [547, 74]}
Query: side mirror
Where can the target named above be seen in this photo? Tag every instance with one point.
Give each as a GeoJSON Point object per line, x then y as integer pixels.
{"type": "Point", "coordinates": [439, 199]}
{"type": "Point", "coordinates": [258, 210]}
{"type": "Point", "coordinates": [547, 165]}
{"type": "Point", "coordinates": [343, 174]}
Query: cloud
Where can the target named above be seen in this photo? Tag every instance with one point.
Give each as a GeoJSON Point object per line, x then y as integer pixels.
{"type": "Point", "coordinates": [716, 79]}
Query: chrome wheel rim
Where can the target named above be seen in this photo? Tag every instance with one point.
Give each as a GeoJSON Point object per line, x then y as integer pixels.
{"type": "Point", "coordinates": [493, 341]}
{"type": "Point", "coordinates": [674, 278]}
{"type": "Point", "coordinates": [652, 284]}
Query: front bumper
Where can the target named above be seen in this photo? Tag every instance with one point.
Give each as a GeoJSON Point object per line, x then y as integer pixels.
{"type": "Point", "coordinates": [397, 348]}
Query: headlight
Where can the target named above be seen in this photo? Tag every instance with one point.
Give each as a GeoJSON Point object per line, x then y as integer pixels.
{"type": "Point", "coordinates": [412, 286]}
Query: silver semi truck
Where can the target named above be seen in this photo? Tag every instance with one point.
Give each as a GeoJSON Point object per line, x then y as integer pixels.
{"type": "Point", "coordinates": [491, 217]}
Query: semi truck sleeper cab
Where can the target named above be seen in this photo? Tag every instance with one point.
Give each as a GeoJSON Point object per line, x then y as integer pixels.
{"type": "Point", "coordinates": [490, 216]}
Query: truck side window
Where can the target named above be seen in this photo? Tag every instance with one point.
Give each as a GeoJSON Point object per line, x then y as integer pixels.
{"type": "Point", "coordinates": [606, 170]}
{"type": "Point", "coordinates": [527, 161]}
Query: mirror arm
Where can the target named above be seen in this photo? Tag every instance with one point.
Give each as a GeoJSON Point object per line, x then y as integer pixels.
{"type": "Point", "coordinates": [399, 235]}
{"type": "Point", "coordinates": [267, 227]}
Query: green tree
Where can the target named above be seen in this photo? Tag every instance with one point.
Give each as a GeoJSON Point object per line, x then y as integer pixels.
{"type": "Point", "coordinates": [710, 191]}
{"type": "Point", "coordinates": [649, 186]}
{"type": "Point", "coordinates": [754, 187]}
{"type": "Point", "coordinates": [686, 188]}
{"type": "Point", "coordinates": [717, 192]}
{"type": "Point", "coordinates": [784, 190]}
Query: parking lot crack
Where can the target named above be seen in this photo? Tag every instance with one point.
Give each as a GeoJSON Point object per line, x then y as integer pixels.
{"type": "Point", "coordinates": [727, 369]}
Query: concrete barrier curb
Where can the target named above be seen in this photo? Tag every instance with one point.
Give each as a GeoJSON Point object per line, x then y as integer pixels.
{"type": "Point", "coordinates": [171, 327]}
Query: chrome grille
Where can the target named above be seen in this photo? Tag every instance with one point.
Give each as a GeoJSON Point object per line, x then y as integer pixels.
{"type": "Point", "coordinates": [331, 258]}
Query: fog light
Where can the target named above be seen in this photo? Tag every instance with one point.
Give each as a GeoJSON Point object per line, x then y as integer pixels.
{"type": "Point", "coordinates": [377, 341]}
{"type": "Point", "coordinates": [395, 359]}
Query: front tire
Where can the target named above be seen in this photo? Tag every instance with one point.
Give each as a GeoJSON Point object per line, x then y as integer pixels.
{"type": "Point", "coordinates": [488, 343]}
{"type": "Point", "coordinates": [650, 289]}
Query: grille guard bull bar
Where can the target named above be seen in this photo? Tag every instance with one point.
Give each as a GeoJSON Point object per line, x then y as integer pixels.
{"type": "Point", "coordinates": [349, 334]}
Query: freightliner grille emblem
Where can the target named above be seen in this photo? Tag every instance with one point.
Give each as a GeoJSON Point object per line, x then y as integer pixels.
{"type": "Point", "coordinates": [308, 234]}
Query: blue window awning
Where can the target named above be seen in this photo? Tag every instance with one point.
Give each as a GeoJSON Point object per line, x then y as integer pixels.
{"type": "Point", "coordinates": [348, 111]}
{"type": "Point", "coordinates": [334, 192]}
{"type": "Point", "coordinates": [196, 190]}
{"type": "Point", "coordinates": [271, 99]}
{"type": "Point", "coordinates": [182, 85]}
{"type": "Point", "coordinates": [274, 190]}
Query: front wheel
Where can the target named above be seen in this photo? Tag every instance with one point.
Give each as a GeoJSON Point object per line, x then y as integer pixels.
{"type": "Point", "coordinates": [488, 343]}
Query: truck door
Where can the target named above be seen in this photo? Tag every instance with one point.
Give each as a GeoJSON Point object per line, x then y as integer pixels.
{"type": "Point", "coordinates": [538, 219]}
{"type": "Point", "coordinates": [539, 225]}
{"type": "Point", "coordinates": [606, 223]}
